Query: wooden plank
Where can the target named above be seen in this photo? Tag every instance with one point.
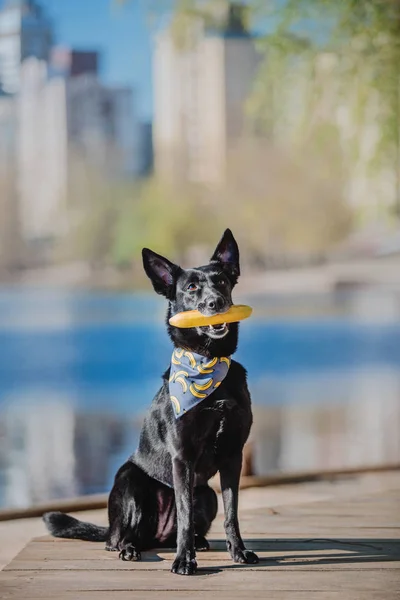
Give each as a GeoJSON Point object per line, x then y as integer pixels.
{"type": "Point", "coordinates": [329, 554]}
{"type": "Point", "coordinates": [324, 550]}
{"type": "Point", "coordinates": [381, 516]}
{"type": "Point", "coordinates": [336, 508]}
{"type": "Point", "coordinates": [222, 595]}
{"type": "Point", "coordinates": [283, 530]}
{"type": "Point", "coordinates": [54, 584]}
{"type": "Point", "coordinates": [291, 564]}
{"type": "Point", "coordinates": [265, 542]}
{"type": "Point", "coordinates": [77, 550]}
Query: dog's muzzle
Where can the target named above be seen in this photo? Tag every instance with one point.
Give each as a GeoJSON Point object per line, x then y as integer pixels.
{"type": "Point", "coordinates": [215, 332]}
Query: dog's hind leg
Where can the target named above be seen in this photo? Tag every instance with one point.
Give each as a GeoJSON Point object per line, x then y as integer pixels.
{"type": "Point", "coordinates": [132, 512]}
{"type": "Point", "coordinates": [205, 511]}
{"type": "Point", "coordinates": [118, 513]}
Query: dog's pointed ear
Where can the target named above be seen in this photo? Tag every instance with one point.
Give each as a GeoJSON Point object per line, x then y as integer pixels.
{"type": "Point", "coordinates": [161, 272]}
{"type": "Point", "coordinates": [227, 254]}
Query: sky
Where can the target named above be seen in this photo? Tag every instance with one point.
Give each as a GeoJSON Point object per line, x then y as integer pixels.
{"type": "Point", "coordinates": [123, 34]}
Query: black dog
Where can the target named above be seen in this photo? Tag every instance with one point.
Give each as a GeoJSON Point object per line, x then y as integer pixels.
{"type": "Point", "coordinates": [160, 495]}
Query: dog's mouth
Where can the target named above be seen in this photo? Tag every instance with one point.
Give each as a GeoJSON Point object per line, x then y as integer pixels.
{"type": "Point", "coordinates": [216, 332]}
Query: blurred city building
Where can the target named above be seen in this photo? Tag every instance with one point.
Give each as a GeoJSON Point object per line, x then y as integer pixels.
{"type": "Point", "coordinates": [101, 124]}
{"type": "Point", "coordinates": [65, 118]}
{"type": "Point", "coordinates": [42, 155]}
{"type": "Point", "coordinates": [146, 154]}
{"type": "Point", "coordinates": [71, 63]}
{"type": "Point", "coordinates": [9, 217]}
{"type": "Point", "coordinates": [55, 113]}
{"type": "Point", "coordinates": [25, 30]}
{"type": "Point", "coordinates": [200, 93]}
{"type": "Point", "coordinates": [100, 119]}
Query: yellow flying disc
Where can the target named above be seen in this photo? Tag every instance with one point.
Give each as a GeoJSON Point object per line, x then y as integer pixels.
{"type": "Point", "coordinates": [194, 318]}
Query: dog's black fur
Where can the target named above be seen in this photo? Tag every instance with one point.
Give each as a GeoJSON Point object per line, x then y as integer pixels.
{"type": "Point", "coordinates": [161, 496]}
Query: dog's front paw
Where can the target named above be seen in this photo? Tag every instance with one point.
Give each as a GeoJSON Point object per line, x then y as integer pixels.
{"type": "Point", "coordinates": [245, 557]}
{"type": "Point", "coordinates": [184, 566]}
{"type": "Point", "coordinates": [130, 553]}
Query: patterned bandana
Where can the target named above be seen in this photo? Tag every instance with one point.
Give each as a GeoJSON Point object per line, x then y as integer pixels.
{"type": "Point", "coordinates": [193, 377]}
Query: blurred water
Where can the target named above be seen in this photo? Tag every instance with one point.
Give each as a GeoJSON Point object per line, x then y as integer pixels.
{"type": "Point", "coordinates": [77, 371]}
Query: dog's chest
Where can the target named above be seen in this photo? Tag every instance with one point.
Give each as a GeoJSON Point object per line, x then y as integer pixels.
{"type": "Point", "coordinates": [218, 432]}
{"type": "Point", "coordinates": [218, 414]}
{"type": "Point", "coordinates": [224, 420]}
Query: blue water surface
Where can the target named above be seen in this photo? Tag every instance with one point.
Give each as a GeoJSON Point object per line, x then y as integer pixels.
{"type": "Point", "coordinates": [101, 342]}
{"type": "Point", "coordinates": [103, 354]}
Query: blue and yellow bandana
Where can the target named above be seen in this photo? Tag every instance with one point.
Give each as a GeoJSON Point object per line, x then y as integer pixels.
{"type": "Point", "coordinates": [193, 377]}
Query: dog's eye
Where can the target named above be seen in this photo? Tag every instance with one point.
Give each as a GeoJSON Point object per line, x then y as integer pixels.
{"type": "Point", "coordinates": [222, 281]}
{"type": "Point", "coordinates": [192, 287]}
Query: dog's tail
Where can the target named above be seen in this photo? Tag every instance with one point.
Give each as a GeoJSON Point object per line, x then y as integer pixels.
{"type": "Point", "coordinates": [64, 526]}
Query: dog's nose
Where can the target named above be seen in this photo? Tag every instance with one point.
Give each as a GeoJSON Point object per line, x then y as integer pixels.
{"type": "Point", "coordinates": [215, 303]}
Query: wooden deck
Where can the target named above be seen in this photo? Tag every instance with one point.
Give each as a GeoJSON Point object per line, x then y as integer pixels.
{"type": "Point", "coordinates": [347, 547]}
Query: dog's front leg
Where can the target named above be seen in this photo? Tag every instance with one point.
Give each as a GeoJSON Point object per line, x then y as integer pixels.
{"type": "Point", "coordinates": [185, 561]}
{"type": "Point", "coordinates": [230, 476]}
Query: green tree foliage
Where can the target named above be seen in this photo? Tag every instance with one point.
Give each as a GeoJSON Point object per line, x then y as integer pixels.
{"type": "Point", "coordinates": [166, 217]}
{"type": "Point", "coordinates": [112, 220]}
{"type": "Point", "coordinates": [290, 208]}
{"type": "Point", "coordinates": [363, 38]}
{"type": "Point", "coordinates": [326, 99]}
